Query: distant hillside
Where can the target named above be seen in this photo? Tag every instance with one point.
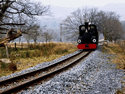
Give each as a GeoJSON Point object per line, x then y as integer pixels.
{"type": "Point", "coordinates": [118, 8]}
{"type": "Point", "coordinates": [63, 12]}
{"type": "Point", "coordinates": [60, 13]}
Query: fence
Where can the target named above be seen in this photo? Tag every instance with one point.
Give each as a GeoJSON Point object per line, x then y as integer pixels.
{"type": "Point", "coordinates": [14, 46]}
{"type": "Point", "coordinates": [22, 45]}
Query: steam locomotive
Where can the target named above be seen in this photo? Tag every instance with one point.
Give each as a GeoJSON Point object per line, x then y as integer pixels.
{"type": "Point", "coordinates": [88, 36]}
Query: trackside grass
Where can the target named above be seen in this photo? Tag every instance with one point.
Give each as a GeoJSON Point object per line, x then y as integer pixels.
{"type": "Point", "coordinates": [118, 50]}
{"type": "Point", "coordinates": [35, 54]}
{"type": "Point", "coordinates": [119, 58]}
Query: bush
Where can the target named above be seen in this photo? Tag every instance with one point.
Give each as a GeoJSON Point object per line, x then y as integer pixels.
{"type": "Point", "coordinates": [27, 54]}
{"type": "Point", "coordinates": [12, 67]}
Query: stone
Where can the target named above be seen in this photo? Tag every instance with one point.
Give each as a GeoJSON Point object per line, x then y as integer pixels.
{"type": "Point", "coordinates": [5, 60]}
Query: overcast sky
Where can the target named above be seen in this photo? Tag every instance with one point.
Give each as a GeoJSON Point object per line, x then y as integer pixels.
{"type": "Point", "coordinates": [79, 3]}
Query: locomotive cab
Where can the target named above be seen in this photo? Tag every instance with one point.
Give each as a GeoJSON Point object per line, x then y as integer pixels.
{"type": "Point", "coordinates": [88, 36]}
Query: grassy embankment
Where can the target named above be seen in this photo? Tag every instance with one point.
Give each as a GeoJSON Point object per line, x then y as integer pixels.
{"type": "Point", "coordinates": [29, 57]}
{"type": "Point", "coordinates": [118, 49]}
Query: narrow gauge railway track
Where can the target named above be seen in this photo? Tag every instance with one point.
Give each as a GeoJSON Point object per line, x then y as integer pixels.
{"type": "Point", "coordinates": [19, 82]}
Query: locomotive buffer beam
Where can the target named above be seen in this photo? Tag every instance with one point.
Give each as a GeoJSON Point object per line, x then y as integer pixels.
{"type": "Point", "coordinates": [87, 45]}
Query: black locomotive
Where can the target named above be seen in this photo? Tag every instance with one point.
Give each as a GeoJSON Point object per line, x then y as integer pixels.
{"type": "Point", "coordinates": [88, 36]}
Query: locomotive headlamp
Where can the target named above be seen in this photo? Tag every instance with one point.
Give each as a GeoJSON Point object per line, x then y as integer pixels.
{"type": "Point", "coordinates": [94, 40]}
{"type": "Point", "coordinates": [79, 40]}
{"type": "Point", "coordinates": [83, 28]}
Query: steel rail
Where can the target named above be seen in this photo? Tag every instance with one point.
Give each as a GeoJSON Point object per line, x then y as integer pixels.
{"type": "Point", "coordinates": [34, 71]}
{"type": "Point", "coordinates": [30, 73]}
{"type": "Point", "coordinates": [39, 78]}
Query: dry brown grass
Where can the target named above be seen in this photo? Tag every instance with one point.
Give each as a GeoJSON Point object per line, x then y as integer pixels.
{"type": "Point", "coordinates": [119, 55]}
{"type": "Point", "coordinates": [119, 91]}
{"type": "Point", "coordinates": [26, 58]}
{"type": "Point", "coordinates": [119, 59]}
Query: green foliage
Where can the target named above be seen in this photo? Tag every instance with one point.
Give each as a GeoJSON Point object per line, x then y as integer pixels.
{"type": "Point", "coordinates": [3, 65]}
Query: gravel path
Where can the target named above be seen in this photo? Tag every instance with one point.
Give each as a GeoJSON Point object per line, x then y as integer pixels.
{"type": "Point", "coordinates": [94, 75]}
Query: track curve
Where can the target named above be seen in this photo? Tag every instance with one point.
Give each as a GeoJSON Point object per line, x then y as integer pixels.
{"type": "Point", "coordinates": [19, 82]}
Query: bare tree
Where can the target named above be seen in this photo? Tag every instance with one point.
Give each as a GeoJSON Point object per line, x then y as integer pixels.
{"type": "Point", "coordinates": [48, 35]}
{"type": "Point", "coordinates": [35, 32]}
{"type": "Point", "coordinates": [27, 37]}
{"type": "Point", "coordinates": [71, 23]}
{"type": "Point", "coordinates": [15, 12]}
{"type": "Point", "coordinates": [123, 26]}
{"type": "Point", "coordinates": [107, 23]}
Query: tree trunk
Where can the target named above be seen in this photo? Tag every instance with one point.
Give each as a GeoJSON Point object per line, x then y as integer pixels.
{"type": "Point", "coordinates": [34, 43]}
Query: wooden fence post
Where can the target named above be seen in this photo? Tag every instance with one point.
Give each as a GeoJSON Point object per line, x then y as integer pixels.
{"type": "Point", "coordinates": [7, 51]}
{"type": "Point", "coordinates": [15, 46]}
{"type": "Point", "coordinates": [22, 45]}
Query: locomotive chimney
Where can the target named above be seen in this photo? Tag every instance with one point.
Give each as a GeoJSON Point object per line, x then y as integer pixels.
{"type": "Point", "coordinates": [86, 25]}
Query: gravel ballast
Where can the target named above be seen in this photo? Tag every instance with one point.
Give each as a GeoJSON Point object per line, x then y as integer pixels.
{"type": "Point", "coordinates": [93, 75]}
{"type": "Point", "coordinates": [39, 66]}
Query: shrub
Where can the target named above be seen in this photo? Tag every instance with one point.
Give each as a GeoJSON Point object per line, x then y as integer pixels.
{"type": "Point", "coordinates": [27, 54]}
{"type": "Point", "coordinates": [12, 67]}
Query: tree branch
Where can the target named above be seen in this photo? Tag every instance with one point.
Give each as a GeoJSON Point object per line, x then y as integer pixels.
{"type": "Point", "coordinates": [12, 24]}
